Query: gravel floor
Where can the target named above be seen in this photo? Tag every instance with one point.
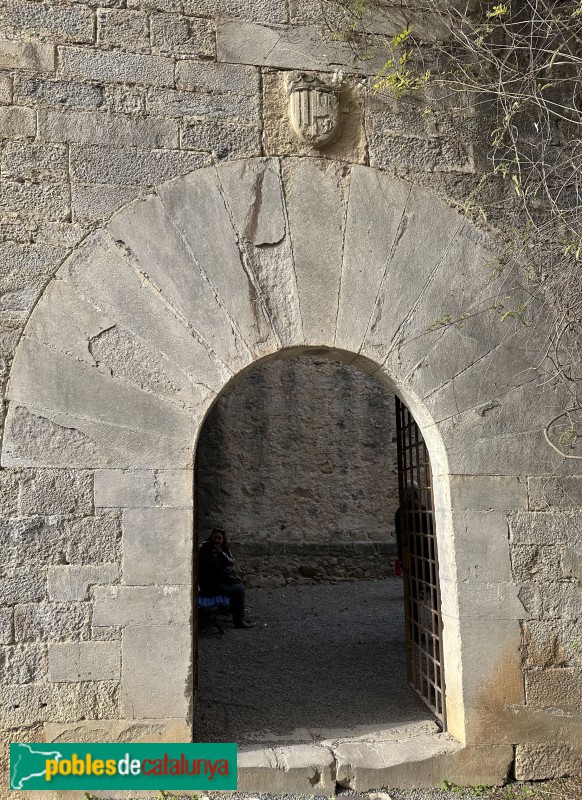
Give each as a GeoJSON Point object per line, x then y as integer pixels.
{"type": "Point", "coordinates": [321, 658]}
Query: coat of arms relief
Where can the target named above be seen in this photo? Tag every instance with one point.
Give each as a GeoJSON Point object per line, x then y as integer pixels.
{"type": "Point", "coordinates": [314, 109]}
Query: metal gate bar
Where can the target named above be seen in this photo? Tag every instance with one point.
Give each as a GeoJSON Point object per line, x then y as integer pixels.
{"type": "Point", "coordinates": [417, 533]}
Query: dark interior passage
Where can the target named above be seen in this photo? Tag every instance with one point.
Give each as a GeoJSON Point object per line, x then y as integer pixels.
{"type": "Point", "coordinates": [321, 658]}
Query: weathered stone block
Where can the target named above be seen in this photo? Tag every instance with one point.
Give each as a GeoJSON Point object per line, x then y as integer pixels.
{"type": "Point", "coordinates": [154, 685]}
{"type": "Point", "coordinates": [127, 30]}
{"type": "Point", "coordinates": [9, 486]}
{"type": "Point", "coordinates": [555, 492]}
{"type": "Point", "coordinates": [17, 123]}
{"type": "Point", "coordinates": [259, 10]}
{"type": "Point", "coordinates": [227, 140]}
{"type": "Point", "coordinates": [111, 633]}
{"type": "Point", "coordinates": [6, 625]}
{"type": "Point", "coordinates": [141, 605]}
{"type": "Point", "coordinates": [157, 546]}
{"type": "Point", "coordinates": [63, 94]}
{"type": "Point", "coordinates": [56, 491]}
{"type": "Point", "coordinates": [301, 769]}
{"type": "Point", "coordinates": [96, 202]}
{"type": "Point", "coordinates": [536, 762]}
{"type": "Point", "coordinates": [135, 166]}
{"type": "Point", "coordinates": [487, 493]}
{"type": "Point", "coordinates": [561, 600]}
{"type": "Point", "coordinates": [93, 540]}
{"type": "Point", "coordinates": [47, 201]}
{"type": "Point", "coordinates": [86, 661]}
{"type": "Point", "coordinates": [550, 643]}
{"type": "Point", "coordinates": [287, 48]}
{"type": "Point", "coordinates": [143, 488]}
{"type": "Point", "coordinates": [32, 161]}
{"type": "Point", "coordinates": [33, 540]}
{"type": "Point", "coordinates": [176, 34]}
{"type": "Point", "coordinates": [196, 76]}
{"type": "Point", "coordinates": [546, 528]}
{"type": "Point", "coordinates": [110, 66]}
{"type": "Point", "coordinates": [73, 583]}
{"type": "Point", "coordinates": [23, 664]}
{"type": "Point", "coordinates": [531, 562]}
{"type": "Point", "coordinates": [200, 106]}
{"type": "Point", "coordinates": [23, 585]}
{"type": "Point", "coordinates": [32, 56]}
{"type": "Point", "coordinates": [44, 621]}
{"type": "Point", "coordinates": [26, 705]}
{"type": "Point", "coordinates": [554, 688]}
{"type": "Point", "coordinates": [102, 128]}
{"type": "Point", "coordinates": [5, 88]}
{"type": "Point", "coordinates": [147, 230]}
{"type": "Point", "coordinates": [63, 24]}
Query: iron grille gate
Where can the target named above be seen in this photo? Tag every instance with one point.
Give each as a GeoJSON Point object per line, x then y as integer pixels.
{"type": "Point", "coordinates": [415, 530]}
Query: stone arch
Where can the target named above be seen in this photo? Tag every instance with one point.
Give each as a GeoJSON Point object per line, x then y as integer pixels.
{"type": "Point", "coordinates": [154, 314]}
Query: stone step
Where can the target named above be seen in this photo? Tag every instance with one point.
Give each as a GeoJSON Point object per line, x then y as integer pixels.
{"type": "Point", "coordinates": [406, 757]}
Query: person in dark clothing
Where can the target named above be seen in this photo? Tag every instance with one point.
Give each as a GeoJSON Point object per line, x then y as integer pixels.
{"type": "Point", "coordinates": [217, 577]}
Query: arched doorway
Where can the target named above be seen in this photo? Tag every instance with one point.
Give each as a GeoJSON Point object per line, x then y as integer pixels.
{"type": "Point", "coordinates": [152, 316]}
{"type": "Point", "coordinates": [298, 461]}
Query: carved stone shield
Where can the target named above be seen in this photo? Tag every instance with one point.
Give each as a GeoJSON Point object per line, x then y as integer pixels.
{"type": "Point", "coordinates": [313, 109]}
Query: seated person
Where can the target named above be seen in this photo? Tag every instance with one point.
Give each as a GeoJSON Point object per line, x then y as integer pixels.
{"type": "Point", "coordinates": [216, 576]}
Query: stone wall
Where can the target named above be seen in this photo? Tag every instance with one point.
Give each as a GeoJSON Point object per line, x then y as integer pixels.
{"type": "Point", "coordinates": [297, 460]}
{"type": "Point", "coordinates": [100, 104]}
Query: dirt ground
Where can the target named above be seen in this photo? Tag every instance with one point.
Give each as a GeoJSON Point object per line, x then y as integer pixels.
{"type": "Point", "coordinates": [321, 657]}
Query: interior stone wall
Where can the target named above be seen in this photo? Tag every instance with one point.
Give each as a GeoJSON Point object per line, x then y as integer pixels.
{"type": "Point", "coordinates": [297, 460]}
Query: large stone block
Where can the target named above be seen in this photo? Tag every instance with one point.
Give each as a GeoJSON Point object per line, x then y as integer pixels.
{"type": "Point", "coordinates": [147, 231]}
{"type": "Point", "coordinates": [481, 546]}
{"type": "Point", "coordinates": [30, 161]}
{"type": "Point", "coordinates": [52, 92]}
{"type": "Point", "coordinates": [197, 210]}
{"type": "Point", "coordinates": [300, 768]}
{"type": "Point", "coordinates": [123, 29]}
{"type": "Point", "coordinates": [284, 47]}
{"type": "Point", "coordinates": [555, 491]}
{"type": "Point", "coordinates": [71, 662]}
{"type": "Point", "coordinates": [68, 702]}
{"type": "Point", "coordinates": [93, 540]}
{"type": "Point", "coordinates": [254, 195]}
{"type": "Point", "coordinates": [6, 89]}
{"type": "Point", "coordinates": [45, 621]}
{"type": "Point", "coordinates": [102, 274]}
{"type": "Point", "coordinates": [550, 643]}
{"type": "Point", "coordinates": [225, 139]}
{"type": "Point", "coordinates": [23, 664]}
{"type": "Point", "coordinates": [487, 493]}
{"type": "Point", "coordinates": [537, 762]}
{"type": "Point", "coordinates": [142, 605]}
{"type": "Point", "coordinates": [32, 56]}
{"type": "Point", "coordinates": [560, 600]}
{"type": "Point", "coordinates": [157, 546]}
{"type": "Point", "coordinates": [96, 202]}
{"type": "Point", "coordinates": [23, 585]}
{"type": "Point", "coordinates": [32, 541]}
{"type": "Point", "coordinates": [143, 488]}
{"type": "Point", "coordinates": [56, 491]}
{"type": "Point", "coordinates": [86, 127]}
{"type": "Point", "coordinates": [6, 635]}
{"type": "Point", "coordinates": [73, 583]}
{"type": "Point", "coordinates": [154, 685]}
{"type": "Point", "coordinates": [370, 238]}
{"type": "Point", "coordinates": [176, 34]}
{"type": "Point", "coordinates": [51, 21]}
{"type": "Point", "coordinates": [129, 166]}
{"type": "Point", "coordinates": [260, 10]}
{"type": "Point", "coordinates": [46, 201]}
{"type": "Point", "coordinates": [315, 202]}
{"type": "Point", "coordinates": [17, 123]}
{"type": "Point", "coordinates": [198, 76]}
{"type": "Point", "coordinates": [110, 66]}
{"type": "Point", "coordinates": [546, 528]}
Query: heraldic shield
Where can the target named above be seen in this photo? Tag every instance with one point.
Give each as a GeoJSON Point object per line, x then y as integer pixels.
{"type": "Point", "coordinates": [313, 109]}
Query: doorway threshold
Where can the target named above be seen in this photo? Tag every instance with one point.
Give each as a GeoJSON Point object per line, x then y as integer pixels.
{"type": "Point", "coordinates": [364, 758]}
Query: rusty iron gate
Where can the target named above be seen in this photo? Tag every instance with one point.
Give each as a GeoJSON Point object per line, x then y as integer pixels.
{"type": "Point", "coordinates": [418, 548]}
